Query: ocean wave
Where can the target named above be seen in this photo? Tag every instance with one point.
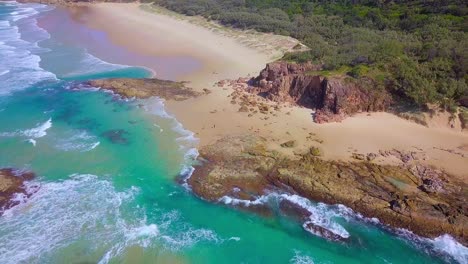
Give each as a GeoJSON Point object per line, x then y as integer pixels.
{"type": "Point", "coordinates": [77, 141]}
{"type": "Point", "coordinates": [89, 64]}
{"type": "Point", "coordinates": [32, 141]}
{"type": "Point", "coordinates": [187, 141]}
{"type": "Point", "coordinates": [299, 258]}
{"type": "Point", "coordinates": [20, 64]}
{"type": "Point", "coordinates": [87, 211]}
{"type": "Point", "coordinates": [321, 215]}
{"type": "Point", "coordinates": [39, 131]}
{"type": "Point", "coordinates": [450, 246]}
{"type": "Point", "coordinates": [60, 213]}
{"type": "Point", "coordinates": [22, 12]}
{"type": "Point", "coordinates": [170, 233]}
{"type": "Point", "coordinates": [444, 246]}
{"type": "Point", "coordinates": [33, 133]}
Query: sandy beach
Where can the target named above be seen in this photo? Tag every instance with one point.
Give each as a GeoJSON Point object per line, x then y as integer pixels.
{"type": "Point", "coordinates": [226, 55]}
{"type": "Point", "coordinates": [133, 134]}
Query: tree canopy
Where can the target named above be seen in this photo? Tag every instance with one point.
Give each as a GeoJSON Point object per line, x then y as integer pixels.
{"type": "Point", "coordinates": [418, 49]}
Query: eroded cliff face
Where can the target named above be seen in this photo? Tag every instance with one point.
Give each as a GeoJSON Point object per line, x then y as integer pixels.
{"type": "Point", "coordinates": [334, 98]}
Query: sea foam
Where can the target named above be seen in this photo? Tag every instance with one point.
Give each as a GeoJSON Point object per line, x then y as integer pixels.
{"type": "Point", "coordinates": [447, 244]}
{"type": "Point", "coordinates": [84, 207]}
{"type": "Point", "coordinates": [300, 258]}
{"type": "Point", "coordinates": [89, 64]}
{"type": "Point", "coordinates": [77, 141]}
{"type": "Point", "coordinates": [320, 214]}
{"type": "Point", "coordinates": [187, 141]}
{"type": "Point", "coordinates": [20, 63]}
{"type": "Point", "coordinates": [33, 133]}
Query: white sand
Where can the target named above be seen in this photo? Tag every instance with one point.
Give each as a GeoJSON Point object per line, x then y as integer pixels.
{"type": "Point", "coordinates": [224, 56]}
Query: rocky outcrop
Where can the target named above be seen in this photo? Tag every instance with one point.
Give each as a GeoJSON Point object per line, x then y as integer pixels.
{"type": "Point", "coordinates": [334, 98]}
{"type": "Point", "coordinates": [145, 88]}
{"type": "Point", "coordinates": [463, 101]}
{"type": "Point", "coordinates": [421, 199]}
{"type": "Point", "coordinates": [12, 183]}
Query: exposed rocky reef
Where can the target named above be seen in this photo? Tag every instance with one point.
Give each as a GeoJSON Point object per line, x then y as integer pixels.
{"type": "Point", "coordinates": [12, 183]}
{"type": "Point", "coordinates": [145, 88]}
{"type": "Point", "coordinates": [416, 197]}
{"type": "Point", "coordinates": [334, 98]}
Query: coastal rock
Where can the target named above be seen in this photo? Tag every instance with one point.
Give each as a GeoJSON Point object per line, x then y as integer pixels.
{"type": "Point", "coordinates": [371, 156]}
{"type": "Point", "coordinates": [334, 98]}
{"type": "Point", "coordinates": [303, 215]}
{"type": "Point", "coordinates": [358, 156]}
{"type": "Point", "coordinates": [289, 144]}
{"type": "Point", "coordinates": [116, 136]}
{"type": "Point", "coordinates": [11, 183]}
{"type": "Point", "coordinates": [390, 193]}
{"type": "Point", "coordinates": [145, 88]}
{"type": "Point", "coordinates": [463, 101]}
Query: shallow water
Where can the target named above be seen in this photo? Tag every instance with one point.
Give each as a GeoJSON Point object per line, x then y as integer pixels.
{"type": "Point", "coordinates": [107, 168]}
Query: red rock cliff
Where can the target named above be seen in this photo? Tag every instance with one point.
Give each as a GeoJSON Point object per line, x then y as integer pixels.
{"type": "Point", "coordinates": [334, 98]}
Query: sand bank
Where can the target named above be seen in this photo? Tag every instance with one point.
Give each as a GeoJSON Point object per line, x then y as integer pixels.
{"type": "Point", "coordinates": [229, 54]}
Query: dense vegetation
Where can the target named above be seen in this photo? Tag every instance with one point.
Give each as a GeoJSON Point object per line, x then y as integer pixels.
{"type": "Point", "coordinates": [417, 49]}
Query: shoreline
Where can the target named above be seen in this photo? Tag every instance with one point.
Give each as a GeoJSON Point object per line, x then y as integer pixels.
{"type": "Point", "coordinates": [144, 172]}
{"type": "Point", "coordinates": [212, 117]}
{"type": "Point", "coordinates": [217, 117]}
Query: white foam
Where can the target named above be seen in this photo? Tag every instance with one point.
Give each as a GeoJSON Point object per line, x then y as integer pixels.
{"type": "Point", "coordinates": [32, 141]}
{"type": "Point", "coordinates": [189, 238]}
{"type": "Point", "coordinates": [323, 215]}
{"type": "Point", "coordinates": [89, 64]}
{"type": "Point", "coordinates": [299, 258]}
{"type": "Point", "coordinates": [77, 141]}
{"type": "Point", "coordinates": [20, 63]}
{"type": "Point", "coordinates": [62, 213]}
{"type": "Point", "coordinates": [23, 12]}
{"type": "Point", "coordinates": [187, 141]}
{"type": "Point", "coordinates": [56, 215]}
{"type": "Point", "coordinates": [444, 246]}
{"type": "Point", "coordinates": [447, 244]}
{"type": "Point", "coordinates": [320, 214]}
{"type": "Point", "coordinates": [450, 246]}
{"type": "Point", "coordinates": [87, 211]}
{"type": "Point", "coordinates": [33, 133]}
{"type": "Point", "coordinates": [39, 131]}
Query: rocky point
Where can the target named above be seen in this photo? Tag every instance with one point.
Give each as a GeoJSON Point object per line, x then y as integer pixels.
{"type": "Point", "coordinates": [12, 183]}
{"type": "Point", "coordinates": [334, 98]}
{"type": "Point", "coordinates": [419, 198]}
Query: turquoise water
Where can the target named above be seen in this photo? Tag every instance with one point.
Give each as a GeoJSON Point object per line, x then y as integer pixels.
{"type": "Point", "coordinates": [107, 171]}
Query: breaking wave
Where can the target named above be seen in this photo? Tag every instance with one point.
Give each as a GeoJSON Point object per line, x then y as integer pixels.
{"type": "Point", "coordinates": [299, 258]}
{"type": "Point", "coordinates": [320, 214]}
{"type": "Point", "coordinates": [445, 246]}
{"type": "Point", "coordinates": [20, 63]}
{"type": "Point", "coordinates": [325, 216]}
{"type": "Point", "coordinates": [33, 133]}
{"type": "Point", "coordinates": [78, 141]}
{"type": "Point", "coordinates": [89, 64]}
{"type": "Point", "coordinates": [86, 208]}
